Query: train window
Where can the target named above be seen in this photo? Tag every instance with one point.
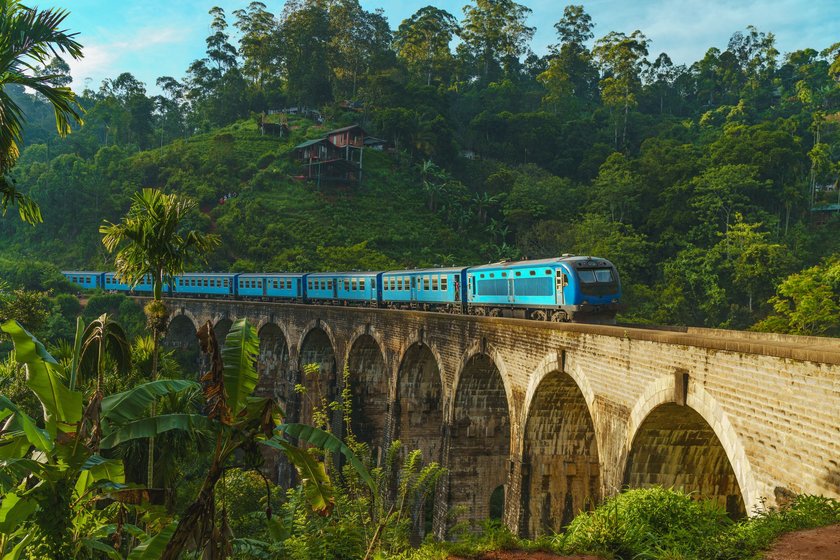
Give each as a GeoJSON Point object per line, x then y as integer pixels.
{"type": "Point", "coordinates": [504, 274]}
{"type": "Point", "coordinates": [362, 284]}
{"type": "Point", "coordinates": [396, 283]}
{"type": "Point", "coordinates": [518, 273]}
{"type": "Point", "coordinates": [482, 276]}
{"type": "Point", "coordinates": [548, 271]}
{"type": "Point", "coordinates": [289, 284]}
{"type": "Point", "coordinates": [205, 282]}
{"type": "Point", "coordinates": [434, 282]}
{"type": "Point", "coordinates": [425, 282]}
{"type": "Point", "coordinates": [346, 285]}
{"type": "Point", "coordinates": [492, 275]}
{"type": "Point", "coordinates": [533, 272]}
{"type": "Point", "coordinates": [227, 283]}
{"type": "Point", "coordinates": [353, 284]}
{"type": "Point", "coordinates": [443, 283]}
{"type": "Point", "coordinates": [309, 284]}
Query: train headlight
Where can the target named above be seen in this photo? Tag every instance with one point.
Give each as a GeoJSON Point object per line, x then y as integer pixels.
{"type": "Point", "coordinates": [584, 302]}
{"type": "Point", "coordinates": [615, 300]}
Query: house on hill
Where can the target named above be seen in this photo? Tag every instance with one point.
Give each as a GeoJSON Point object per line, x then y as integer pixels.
{"type": "Point", "coordinates": [335, 158]}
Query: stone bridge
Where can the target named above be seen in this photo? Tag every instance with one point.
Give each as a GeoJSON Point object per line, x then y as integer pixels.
{"type": "Point", "coordinates": [538, 421]}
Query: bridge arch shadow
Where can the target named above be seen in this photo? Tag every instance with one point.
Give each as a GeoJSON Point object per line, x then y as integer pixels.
{"type": "Point", "coordinates": [317, 348]}
{"type": "Point", "coordinates": [277, 381]}
{"type": "Point", "coordinates": [181, 338]}
{"type": "Point", "coordinates": [418, 412]}
{"type": "Point", "coordinates": [561, 471]}
{"type": "Point", "coordinates": [369, 389]}
{"type": "Point", "coordinates": [691, 447]}
{"type": "Point", "coordinates": [479, 449]}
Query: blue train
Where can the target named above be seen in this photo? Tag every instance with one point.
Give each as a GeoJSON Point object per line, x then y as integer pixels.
{"type": "Point", "coordinates": [568, 288]}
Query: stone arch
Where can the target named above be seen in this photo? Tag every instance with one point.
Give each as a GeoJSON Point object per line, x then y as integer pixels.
{"type": "Point", "coordinates": [693, 447]}
{"type": "Point", "coordinates": [476, 348]}
{"type": "Point", "coordinates": [221, 328]}
{"type": "Point", "coordinates": [317, 346]}
{"type": "Point", "coordinates": [181, 337]}
{"type": "Point", "coordinates": [418, 410]}
{"type": "Point", "coordinates": [369, 388]}
{"type": "Point", "coordinates": [561, 470]}
{"type": "Point", "coordinates": [479, 448]}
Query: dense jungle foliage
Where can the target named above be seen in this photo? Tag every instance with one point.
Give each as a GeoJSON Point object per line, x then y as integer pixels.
{"type": "Point", "coordinates": [710, 185]}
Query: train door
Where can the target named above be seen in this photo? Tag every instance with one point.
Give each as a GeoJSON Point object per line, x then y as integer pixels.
{"type": "Point", "coordinates": [560, 283]}
{"type": "Point", "coordinates": [511, 295]}
{"type": "Point", "coordinates": [334, 284]}
{"type": "Point", "coordinates": [413, 288]}
{"type": "Point", "coordinates": [264, 283]}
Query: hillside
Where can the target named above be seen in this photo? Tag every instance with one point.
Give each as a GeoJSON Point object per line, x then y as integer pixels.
{"type": "Point", "coordinates": [276, 221]}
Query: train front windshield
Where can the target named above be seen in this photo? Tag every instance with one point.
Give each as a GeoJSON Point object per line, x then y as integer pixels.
{"type": "Point", "coordinates": [597, 281]}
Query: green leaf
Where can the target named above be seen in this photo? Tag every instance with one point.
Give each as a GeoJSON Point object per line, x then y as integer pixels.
{"type": "Point", "coordinates": [149, 427]}
{"type": "Point", "coordinates": [328, 442]}
{"type": "Point", "coordinates": [15, 553]}
{"type": "Point", "coordinates": [313, 475]}
{"type": "Point", "coordinates": [152, 549]}
{"type": "Point", "coordinates": [14, 510]}
{"type": "Point", "coordinates": [242, 345]}
{"type": "Point", "coordinates": [77, 350]}
{"type": "Point", "coordinates": [132, 404]}
{"type": "Point", "coordinates": [98, 468]}
{"type": "Point", "coordinates": [34, 435]}
{"type": "Point", "coordinates": [62, 407]}
{"type": "Point", "coordinates": [109, 551]}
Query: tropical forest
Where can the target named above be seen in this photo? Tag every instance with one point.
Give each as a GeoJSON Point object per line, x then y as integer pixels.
{"type": "Point", "coordinates": [713, 186]}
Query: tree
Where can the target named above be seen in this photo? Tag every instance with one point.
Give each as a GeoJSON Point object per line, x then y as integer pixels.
{"type": "Point", "coordinates": [622, 58]}
{"type": "Point", "coordinates": [495, 33]}
{"type": "Point", "coordinates": [571, 73]}
{"type": "Point", "coordinates": [58, 490]}
{"type": "Point", "coordinates": [807, 302]}
{"type": "Point", "coordinates": [305, 37]}
{"type": "Point", "coordinates": [617, 188]}
{"type": "Point", "coordinates": [149, 242]}
{"type": "Point", "coordinates": [30, 38]}
{"type": "Point", "coordinates": [422, 41]}
{"type": "Point", "coordinates": [257, 45]}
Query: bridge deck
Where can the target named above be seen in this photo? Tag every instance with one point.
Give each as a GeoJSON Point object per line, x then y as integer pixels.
{"type": "Point", "coordinates": [803, 348]}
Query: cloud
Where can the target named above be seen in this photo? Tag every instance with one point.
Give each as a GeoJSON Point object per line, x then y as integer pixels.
{"type": "Point", "coordinates": [108, 58]}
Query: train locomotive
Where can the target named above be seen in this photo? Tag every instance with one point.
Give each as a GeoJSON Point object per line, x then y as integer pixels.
{"type": "Point", "coordinates": [567, 288]}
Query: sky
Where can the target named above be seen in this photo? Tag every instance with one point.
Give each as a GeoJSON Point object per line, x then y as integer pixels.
{"type": "Point", "coordinates": [153, 38]}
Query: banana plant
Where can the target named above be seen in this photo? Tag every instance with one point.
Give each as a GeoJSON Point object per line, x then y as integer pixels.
{"type": "Point", "coordinates": [240, 421]}
{"type": "Point", "coordinates": [53, 481]}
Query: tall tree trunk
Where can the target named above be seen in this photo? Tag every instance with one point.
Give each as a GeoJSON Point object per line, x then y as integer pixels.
{"type": "Point", "coordinates": [150, 466]}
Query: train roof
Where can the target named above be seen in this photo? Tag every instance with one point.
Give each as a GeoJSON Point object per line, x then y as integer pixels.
{"type": "Point", "coordinates": [343, 274]}
{"type": "Point", "coordinates": [80, 272]}
{"type": "Point", "coordinates": [571, 259]}
{"type": "Point", "coordinates": [213, 274]}
{"type": "Point", "coordinates": [428, 270]}
{"type": "Point", "coordinates": [271, 274]}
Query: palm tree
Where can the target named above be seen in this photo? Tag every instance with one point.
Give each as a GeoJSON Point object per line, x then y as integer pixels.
{"type": "Point", "coordinates": [28, 39]}
{"type": "Point", "coordinates": [149, 241]}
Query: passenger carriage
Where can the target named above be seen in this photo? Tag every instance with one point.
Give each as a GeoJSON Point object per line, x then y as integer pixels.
{"type": "Point", "coordinates": [286, 286]}
{"type": "Point", "coordinates": [431, 289]}
{"type": "Point", "coordinates": [205, 284]}
{"type": "Point", "coordinates": [343, 287]}
{"type": "Point", "coordinates": [84, 279]}
{"type": "Point", "coordinates": [110, 283]}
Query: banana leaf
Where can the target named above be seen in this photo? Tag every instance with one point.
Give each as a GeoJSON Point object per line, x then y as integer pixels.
{"type": "Point", "coordinates": [149, 427]}
{"type": "Point", "coordinates": [242, 345]}
{"type": "Point", "coordinates": [130, 405]}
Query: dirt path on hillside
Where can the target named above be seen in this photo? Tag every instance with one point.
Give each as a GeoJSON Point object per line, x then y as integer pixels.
{"type": "Point", "coordinates": [813, 544]}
